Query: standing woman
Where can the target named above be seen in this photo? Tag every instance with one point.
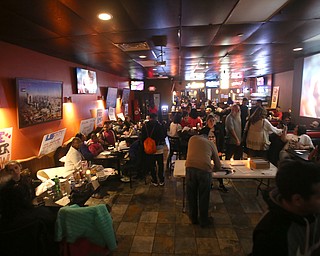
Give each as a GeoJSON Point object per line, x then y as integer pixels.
{"type": "Point", "coordinates": [258, 129]}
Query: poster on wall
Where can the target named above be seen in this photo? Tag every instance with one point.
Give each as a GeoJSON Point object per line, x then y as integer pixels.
{"type": "Point", "coordinates": [275, 95]}
{"type": "Point", "coordinates": [126, 109]}
{"type": "Point", "coordinates": [87, 126]}
{"type": "Point", "coordinates": [112, 114]}
{"type": "Point", "coordinates": [51, 142]}
{"type": "Point", "coordinates": [99, 117]}
{"type": "Point", "coordinates": [38, 101]}
{"type": "Point", "coordinates": [5, 146]}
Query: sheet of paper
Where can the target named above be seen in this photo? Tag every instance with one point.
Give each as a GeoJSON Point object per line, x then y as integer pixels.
{"type": "Point", "coordinates": [243, 169]}
{"type": "Point", "coordinates": [63, 201]}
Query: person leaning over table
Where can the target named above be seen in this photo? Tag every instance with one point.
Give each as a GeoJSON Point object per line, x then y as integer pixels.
{"type": "Point", "coordinates": [74, 157]}
{"type": "Point", "coordinates": [298, 140]}
{"type": "Point", "coordinates": [291, 225]}
{"type": "Point", "coordinates": [198, 177]}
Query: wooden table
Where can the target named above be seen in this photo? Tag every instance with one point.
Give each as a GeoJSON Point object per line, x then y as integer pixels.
{"type": "Point", "coordinates": [240, 169]}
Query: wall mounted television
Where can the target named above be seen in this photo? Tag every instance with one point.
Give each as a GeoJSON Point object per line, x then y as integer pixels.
{"type": "Point", "coordinates": [86, 81]}
{"type": "Point", "coordinates": [111, 99]}
{"type": "Point", "coordinates": [38, 101]}
{"type": "Point", "coordinates": [136, 85]}
{"type": "Point", "coordinates": [125, 96]}
{"type": "Point", "coordinates": [310, 89]}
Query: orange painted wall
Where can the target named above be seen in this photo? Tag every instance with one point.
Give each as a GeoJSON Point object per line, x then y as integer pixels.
{"type": "Point", "coordinates": [19, 62]}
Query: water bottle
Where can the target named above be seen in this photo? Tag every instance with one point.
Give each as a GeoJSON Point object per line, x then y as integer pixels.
{"type": "Point", "coordinates": [57, 187]}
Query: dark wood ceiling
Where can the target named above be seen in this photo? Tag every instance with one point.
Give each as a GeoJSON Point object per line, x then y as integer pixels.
{"type": "Point", "coordinates": [208, 43]}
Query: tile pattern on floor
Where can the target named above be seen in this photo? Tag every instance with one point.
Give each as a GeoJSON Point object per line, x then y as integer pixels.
{"type": "Point", "coordinates": [149, 220]}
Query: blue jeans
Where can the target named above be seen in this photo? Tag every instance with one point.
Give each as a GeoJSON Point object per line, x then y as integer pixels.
{"type": "Point", "coordinates": [198, 184]}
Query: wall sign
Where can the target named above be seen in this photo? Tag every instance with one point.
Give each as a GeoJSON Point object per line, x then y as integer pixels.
{"type": "Point", "coordinates": [5, 145]}
{"type": "Point", "coordinates": [51, 142]}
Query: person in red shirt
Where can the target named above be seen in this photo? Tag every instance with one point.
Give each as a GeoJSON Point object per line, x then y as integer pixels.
{"type": "Point", "coordinates": [194, 119]}
{"type": "Point", "coordinates": [94, 145]}
{"type": "Point", "coordinates": [277, 114]}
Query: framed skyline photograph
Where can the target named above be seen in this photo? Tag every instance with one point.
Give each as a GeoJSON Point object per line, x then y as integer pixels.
{"type": "Point", "coordinates": [38, 101]}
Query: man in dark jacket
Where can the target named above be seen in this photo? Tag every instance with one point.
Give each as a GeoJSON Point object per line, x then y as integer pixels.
{"type": "Point", "coordinates": [154, 129]}
{"type": "Point", "coordinates": [291, 226]}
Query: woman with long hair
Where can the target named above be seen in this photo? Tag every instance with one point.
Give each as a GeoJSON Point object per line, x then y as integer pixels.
{"type": "Point", "coordinates": [258, 129]}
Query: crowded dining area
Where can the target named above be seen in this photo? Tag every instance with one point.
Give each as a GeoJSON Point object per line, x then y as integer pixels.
{"type": "Point", "coordinates": [160, 128]}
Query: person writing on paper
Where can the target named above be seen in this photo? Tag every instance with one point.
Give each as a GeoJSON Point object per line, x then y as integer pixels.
{"type": "Point", "coordinates": [201, 151]}
{"type": "Point", "coordinates": [298, 140]}
{"type": "Point", "coordinates": [74, 157]}
{"type": "Point", "coordinates": [291, 225]}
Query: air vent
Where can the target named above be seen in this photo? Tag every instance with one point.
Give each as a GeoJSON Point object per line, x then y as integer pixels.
{"type": "Point", "coordinates": [133, 47]}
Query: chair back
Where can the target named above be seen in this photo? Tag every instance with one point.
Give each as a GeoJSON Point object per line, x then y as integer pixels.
{"type": "Point", "coordinates": [92, 223]}
{"type": "Point", "coordinates": [175, 145]}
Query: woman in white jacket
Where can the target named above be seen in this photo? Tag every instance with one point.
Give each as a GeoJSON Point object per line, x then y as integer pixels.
{"type": "Point", "coordinates": [258, 129]}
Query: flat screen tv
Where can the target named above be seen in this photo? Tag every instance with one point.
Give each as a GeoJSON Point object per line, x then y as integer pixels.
{"type": "Point", "coordinates": [111, 99]}
{"type": "Point", "coordinates": [86, 81]}
{"type": "Point", "coordinates": [125, 96]}
{"type": "Point", "coordinates": [38, 101]}
{"type": "Point", "coordinates": [310, 89]}
{"type": "Point", "coordinates": [136, 85]}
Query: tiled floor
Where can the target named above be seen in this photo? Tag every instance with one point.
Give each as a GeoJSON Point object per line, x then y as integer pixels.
{"type": "Point", "coordinates": [149, 220]}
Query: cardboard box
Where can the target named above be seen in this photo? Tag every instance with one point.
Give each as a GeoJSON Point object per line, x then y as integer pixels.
{"type": "Point", "coordinates": [259, 164]}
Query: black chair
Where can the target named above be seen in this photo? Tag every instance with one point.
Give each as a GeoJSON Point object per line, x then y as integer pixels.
{"type": "Point", "coordinates": [174, 150]}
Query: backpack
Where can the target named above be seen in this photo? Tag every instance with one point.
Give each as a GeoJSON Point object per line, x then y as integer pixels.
{"type": "Point", "coordinates": [149, 144]}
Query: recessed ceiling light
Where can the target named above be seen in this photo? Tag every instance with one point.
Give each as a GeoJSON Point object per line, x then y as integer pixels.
{"type": "Point", "coordinates": [142, 56]}
{"type": "Point", "coordinates": [240, 34]}
{"type": "Point", "coordinates": [104, 16]}
{"type": "Point", "coordinates": [297, 49]}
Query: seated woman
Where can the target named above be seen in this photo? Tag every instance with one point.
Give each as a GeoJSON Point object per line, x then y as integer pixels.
{"type": "Point", "coordinates": [298, 140]}
{"type": "Point", "coordinates": [184, 121]}
{"type": "Point", "coordinates": [13, 172]}
{"type": "Point", "coordinates": [119, 126]}
{"type": "Point", "coordinates": [194, 120]}
{"type": "Point", "coordinates": [94, 146]}
{"type": "Point", "coordinates": [175, 126]}
{"type": "Point", "coordinates": [107, 136]}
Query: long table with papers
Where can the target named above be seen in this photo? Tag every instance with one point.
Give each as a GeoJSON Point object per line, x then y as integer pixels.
{"type": "Point", "coordinates": [231, 169]}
